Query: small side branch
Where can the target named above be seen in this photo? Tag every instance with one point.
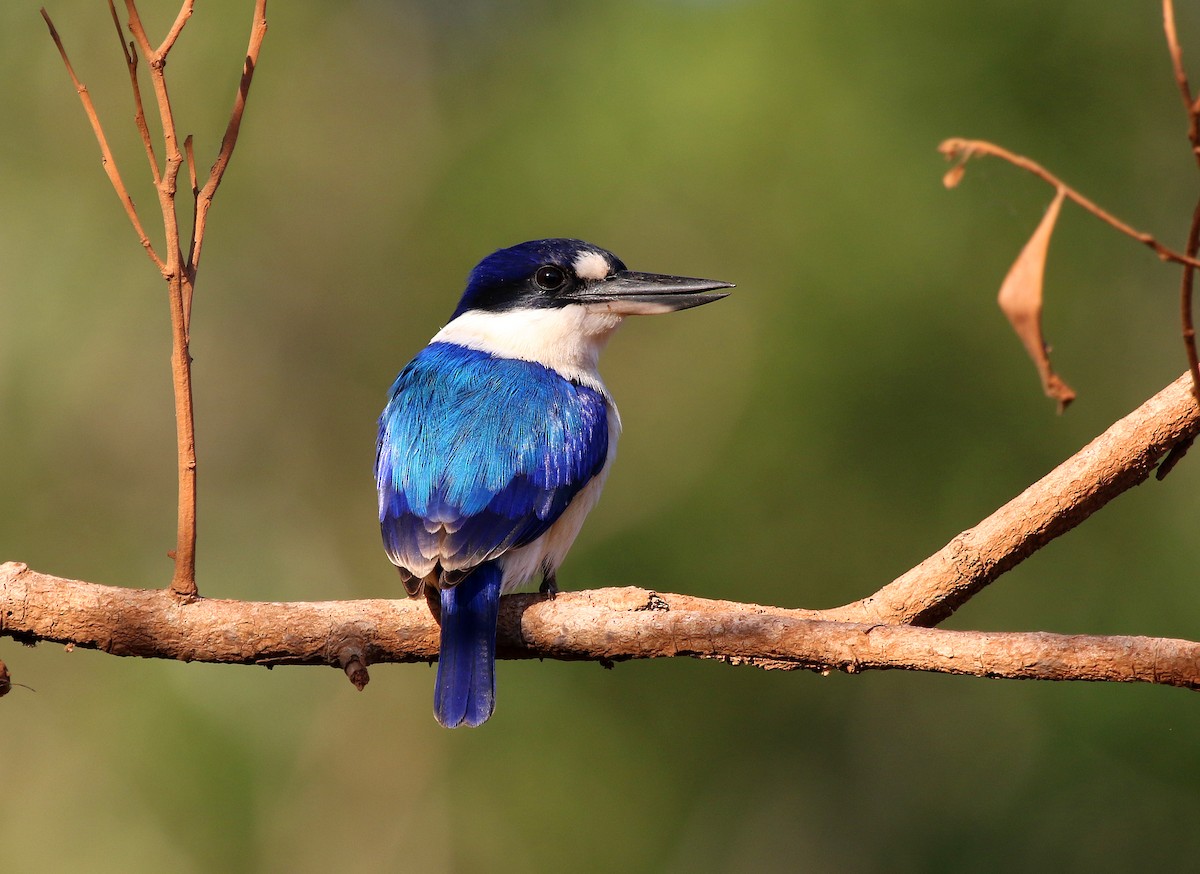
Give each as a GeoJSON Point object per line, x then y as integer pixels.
{"type": "Point", "coordinates": [1191, 106]}
{"type": "Point", "coordinates": [961, 150]}
{"type": "Point", "coordinates": [106, 155]}
{"type": "Point", "coordinates": [1116, 461]}
{"type": "Point", "coordinates": [258, 30]}
{"type": "Point", "coordinates": [139, 110]}
{"type": "Point", "coordinates": [178, 269]}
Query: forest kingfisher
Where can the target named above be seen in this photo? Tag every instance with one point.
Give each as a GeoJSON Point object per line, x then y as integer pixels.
{"type": "Point", "coordinates": [497, 437]}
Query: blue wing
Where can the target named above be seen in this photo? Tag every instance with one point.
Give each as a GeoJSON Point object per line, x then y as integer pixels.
{"type": "Point", "coordinates": [478, 455]}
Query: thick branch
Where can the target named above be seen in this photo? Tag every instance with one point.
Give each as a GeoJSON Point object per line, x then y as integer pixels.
{"type": "Point", "coordinates": [605, 625]}
{"type": "Point", "coordinates": [615, 624]}
{"type": "Point", "coordinates": [1117, 460]}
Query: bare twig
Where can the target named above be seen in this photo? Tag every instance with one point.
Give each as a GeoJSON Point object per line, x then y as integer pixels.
{"type": "Point", "coordinates": [183, 582]}
{"type": "Point", "coordinates": [1191, 107]}
{"type": "Point", "coordinates": [178, 270]}
{"type": "Point", "coordinates": [1181, 79]}
{"type": "Point", "coordinates": [139, 111]}
{"type": "Point", "coordinates": [189, 278]}
{"type": "Point", "coordinates": [1187, 282]}
{"type": "Point", "coordinates": [185, 12]}
{"type": "Point", "coordinates": [106, 155]}
{"type": "Point", "coordinates": [258, 31]}
{"type": "Point", "coordinates": [961, 150]}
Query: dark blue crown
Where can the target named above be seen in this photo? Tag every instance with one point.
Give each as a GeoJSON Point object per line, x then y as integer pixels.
{"type": "Point", "coordinates": [504, 279]}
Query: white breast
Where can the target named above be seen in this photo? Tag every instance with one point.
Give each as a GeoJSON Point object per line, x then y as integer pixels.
{"type": "Point", "coordinates": [565, 339]}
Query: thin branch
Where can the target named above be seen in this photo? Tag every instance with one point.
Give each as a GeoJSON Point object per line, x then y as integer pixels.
{"type": "Point", "coordinates": [189, 274]}
{"type": "Point", "coordinates": [185, 12]}
{"type": "Point", "coordinates": [130, 56]}
{"type": "Point", "coordinates": [179, 273]}
{"type": "Point", "coordinates": [963, 150]}
{"type": "Point", "coordinates": [1191, 106]}
{"type": "Point", "coordinates": [139, 110]}
{"type": "Point", "coordinates": [183, 581]}
{"type": "Point", "coordinates": [604, 625]}
{"type": "Point", "coordinates": [204, 199]}
{"type": "Point", "coordinates": [156, 62]}
{"type": "Point", "coordinates": [1187, 283]}
{"type": "Point", "coordinates": [106, 155]}
{"type": "Point", "coordinates": [1181, 78]}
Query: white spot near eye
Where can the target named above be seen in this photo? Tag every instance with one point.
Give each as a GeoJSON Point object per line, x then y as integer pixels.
{"type": "Point", "coordinates": [591, 265]}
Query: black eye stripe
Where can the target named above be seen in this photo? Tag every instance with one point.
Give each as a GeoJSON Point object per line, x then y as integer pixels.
{"type": "Point", "coordinates": [549, 277]}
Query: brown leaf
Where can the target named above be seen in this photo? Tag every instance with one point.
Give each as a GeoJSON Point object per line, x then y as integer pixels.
{"type": "Point", "coordinates": [1021, 300]}
{"type": "Point", "coordinates": [954, 175]}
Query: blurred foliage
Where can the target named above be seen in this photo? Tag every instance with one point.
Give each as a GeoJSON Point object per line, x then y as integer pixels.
{"type": "Point", "coordinates": [855, 404]}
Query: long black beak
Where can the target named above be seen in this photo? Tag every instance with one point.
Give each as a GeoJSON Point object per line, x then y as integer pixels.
{"type": "Point", "coordinates": [628, 293]}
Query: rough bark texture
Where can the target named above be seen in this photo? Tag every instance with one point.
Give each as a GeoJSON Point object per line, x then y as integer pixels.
{"type": "Point", "coordinates": [605, 625]}
{"type": "Point", "coordinates": [882, 631]}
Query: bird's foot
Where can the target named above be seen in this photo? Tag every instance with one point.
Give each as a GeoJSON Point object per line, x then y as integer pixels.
{"type": "Point", "coordinates": [433, 597]}
{"type": "Point", "coordinates": [549, 585]}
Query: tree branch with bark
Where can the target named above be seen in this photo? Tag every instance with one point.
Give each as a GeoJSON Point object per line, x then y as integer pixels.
{"type": "Point", "coordinates": [883, 631]}
{"type": "Point", "coordinates": [178, 268]}
{"type": "Point", "coordinates": [890, 629]}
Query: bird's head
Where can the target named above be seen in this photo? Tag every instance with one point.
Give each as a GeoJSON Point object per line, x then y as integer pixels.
{"type": "Point", "coordinates": [557, 302]}
{"type": "Point", "coordinates": [556, 274]}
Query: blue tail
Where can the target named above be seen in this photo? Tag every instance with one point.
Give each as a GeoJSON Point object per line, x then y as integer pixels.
{"type": "Point", "coordinates": [465, 692]}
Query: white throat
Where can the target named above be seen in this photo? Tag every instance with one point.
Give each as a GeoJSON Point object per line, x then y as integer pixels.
{"type": "Point", "coordinates": [565, 339]}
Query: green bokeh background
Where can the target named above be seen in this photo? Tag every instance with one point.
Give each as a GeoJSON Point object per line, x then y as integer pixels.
{"type": "Point", "coordinates": [857, 403]}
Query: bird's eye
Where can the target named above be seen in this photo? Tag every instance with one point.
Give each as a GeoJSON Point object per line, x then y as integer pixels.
{"type": "Point", "coordinates": [549, 277]}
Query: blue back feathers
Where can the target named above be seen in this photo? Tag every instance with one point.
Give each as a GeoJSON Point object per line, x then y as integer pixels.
{"type": "Point", "coordinates": [478, 455]}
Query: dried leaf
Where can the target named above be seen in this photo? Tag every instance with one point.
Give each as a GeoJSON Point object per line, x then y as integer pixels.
{"type": "Point", "coordinates": [954, 175]}
{"type": "Point", "coordinates": [1021, 300]}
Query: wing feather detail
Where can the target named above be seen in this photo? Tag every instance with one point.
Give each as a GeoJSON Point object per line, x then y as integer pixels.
{"type": "Point", "coordinates": [478, 455]}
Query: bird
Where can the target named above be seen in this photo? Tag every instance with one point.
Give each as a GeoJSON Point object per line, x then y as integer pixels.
{"type": "Point", "coordinates": [497, 437]}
